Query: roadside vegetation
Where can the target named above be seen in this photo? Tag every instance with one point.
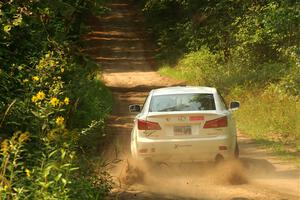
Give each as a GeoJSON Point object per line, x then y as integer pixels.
{"type": "Point", "coordinates": [51, 104]}
{"type": "Point", "coordinates": [247, 49]}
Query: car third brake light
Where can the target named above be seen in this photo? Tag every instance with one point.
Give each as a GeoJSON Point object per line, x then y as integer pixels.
{"type": "Point", "coordinates": [216, 123]}
{"type": "Point", "coordinates": [147, 125]}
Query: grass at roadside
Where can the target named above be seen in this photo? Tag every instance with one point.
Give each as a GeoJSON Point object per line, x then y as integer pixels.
{"type": "Point", "coordinates": [92, 107]}
{"type": "Point", "coordinates": [276, 126]}
{"type": "Point", "coordinates": [167, 70]}
{"type": "Point", "coordinates": [97, 105]}
{"type": "Point", "coordinates": [285, 152]}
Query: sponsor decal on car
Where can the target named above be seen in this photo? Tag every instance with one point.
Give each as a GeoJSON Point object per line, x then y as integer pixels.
{"type": "Point", "coordinates": [196, 118]}
{"type": "Point", "coordinates": [182, 118]}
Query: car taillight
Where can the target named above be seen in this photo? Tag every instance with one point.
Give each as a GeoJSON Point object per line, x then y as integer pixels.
{"type": "Point", "coordinates": [216, 123]}
{"type": "Point", "coordinates": [147, 125]}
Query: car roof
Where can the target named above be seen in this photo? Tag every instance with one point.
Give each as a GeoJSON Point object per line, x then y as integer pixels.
{"type": "Point", "coordinates": [183, 90]}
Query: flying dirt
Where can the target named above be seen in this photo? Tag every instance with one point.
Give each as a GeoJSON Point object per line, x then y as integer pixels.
{"type": "Point", "coordinates": [119, 43]}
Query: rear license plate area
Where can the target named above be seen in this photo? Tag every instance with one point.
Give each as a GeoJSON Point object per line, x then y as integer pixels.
{"type": "Point", "coordinates": [182, 130]}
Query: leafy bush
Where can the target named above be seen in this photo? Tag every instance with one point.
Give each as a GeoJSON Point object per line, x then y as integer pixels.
{"type": "Point", "coordinates": [49, 99]}
{"type": "Point", "coordinates": [200, 65]}
{"type": "Point", "coordinates": [269, 115]}
{"type": "Point", "coordinates": [262, 28]}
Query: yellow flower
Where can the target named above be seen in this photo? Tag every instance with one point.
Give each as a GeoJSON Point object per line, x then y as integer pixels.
{"type": "Point", "coordinates": [23, 137]}
{"type": "Point", "coordinates": [52, 63]}
{"type": "Point", "coordinates": [67, 101]}
{"type": "Point", "coordinates": [35, 78]}
{"type": "Point", "coordinates": [62, 70]}
{"type": "Point", "coordinates": [40, 95]}
{"type": "Point", "coordinates": [54, 101]}
{"type": "Point", "coordinates": [11, 145]}
{"type": "Point", "coordinates": [27, 171]}
{"type": "Point", "coordinates": [34, 99]}
{"type": "Point", "coordinates": [5, 146]}
{"type": "Point", "coordinates": [59, 120]}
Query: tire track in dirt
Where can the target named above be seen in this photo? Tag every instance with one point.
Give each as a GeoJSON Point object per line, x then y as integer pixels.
{"type": "Point", "coordinates": [117, 41]}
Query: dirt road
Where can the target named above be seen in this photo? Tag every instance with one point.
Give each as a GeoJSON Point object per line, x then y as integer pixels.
{"type": "Point", "coordinates": [118, 43]}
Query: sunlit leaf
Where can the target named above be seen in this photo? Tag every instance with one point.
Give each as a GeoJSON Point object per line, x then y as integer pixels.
{"type": "Point", "coordinates": [7, 28]}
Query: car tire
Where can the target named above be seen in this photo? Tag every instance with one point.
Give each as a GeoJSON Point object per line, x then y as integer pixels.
{"type": "Point", "coordinates": [219, 159]}
{"type": "Point", "coordinates": [236, 151]}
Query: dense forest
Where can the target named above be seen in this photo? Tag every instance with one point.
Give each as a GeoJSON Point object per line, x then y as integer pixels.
{"type": "Point", "coordinates": [48, 107]}
{"type": "Point", "coordinates": [249, 50]}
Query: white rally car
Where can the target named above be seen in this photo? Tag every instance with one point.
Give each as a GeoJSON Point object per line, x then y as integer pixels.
{"type": "Point", "coordinates": [184, 124]}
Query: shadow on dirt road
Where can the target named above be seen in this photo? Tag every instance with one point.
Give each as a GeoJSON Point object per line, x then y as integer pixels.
{"type": "Point", "coordinates": [119, 43]}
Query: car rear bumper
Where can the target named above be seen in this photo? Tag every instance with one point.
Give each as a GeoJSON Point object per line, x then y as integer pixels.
{"type": "Point", "coordinates": [187, 150]}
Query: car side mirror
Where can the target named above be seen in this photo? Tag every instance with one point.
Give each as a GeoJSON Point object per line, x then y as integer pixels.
{"type": "Point", "coordinates": [135, 108]}
{"type": "Point", "coordinates": [234, 105]}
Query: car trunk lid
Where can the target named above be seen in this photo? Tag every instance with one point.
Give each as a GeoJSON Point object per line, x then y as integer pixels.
{"type": "Point", "coordinates": [186, 124]}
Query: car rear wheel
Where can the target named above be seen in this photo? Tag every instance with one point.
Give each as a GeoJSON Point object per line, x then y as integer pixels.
{"type": "Point", "coordinates": [219, 159]}
{"type": "Point", "coordinates": [236, 151]}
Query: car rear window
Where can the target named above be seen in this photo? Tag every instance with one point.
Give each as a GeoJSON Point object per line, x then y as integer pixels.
{"type": "Point", "coordinates": [182, 102]}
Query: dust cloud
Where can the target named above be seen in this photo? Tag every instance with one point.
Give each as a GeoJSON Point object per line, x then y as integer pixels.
{"type": "Point", "coordinates": [183, 179]}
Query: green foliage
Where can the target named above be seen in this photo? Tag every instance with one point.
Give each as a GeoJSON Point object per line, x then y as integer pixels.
{"type": "Point", "coordinates": [49, 99]}
{"type": "Point", "coordinates": [261, 28]}
{"type": "Point", "coordinates": [95, 102]}
{"type": "Point", "coordinates": [93, 188]}
{"type": "Point", "coordinates": [272, 117]}
{"type": "Point", "coordinates": [12, 166]}
{"type": "Point", "coordinates": [200, 65]}
{"type": "Point", "coordinates": [273, 24]}
{"type": "Point", "coordinates": [167, 70]}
